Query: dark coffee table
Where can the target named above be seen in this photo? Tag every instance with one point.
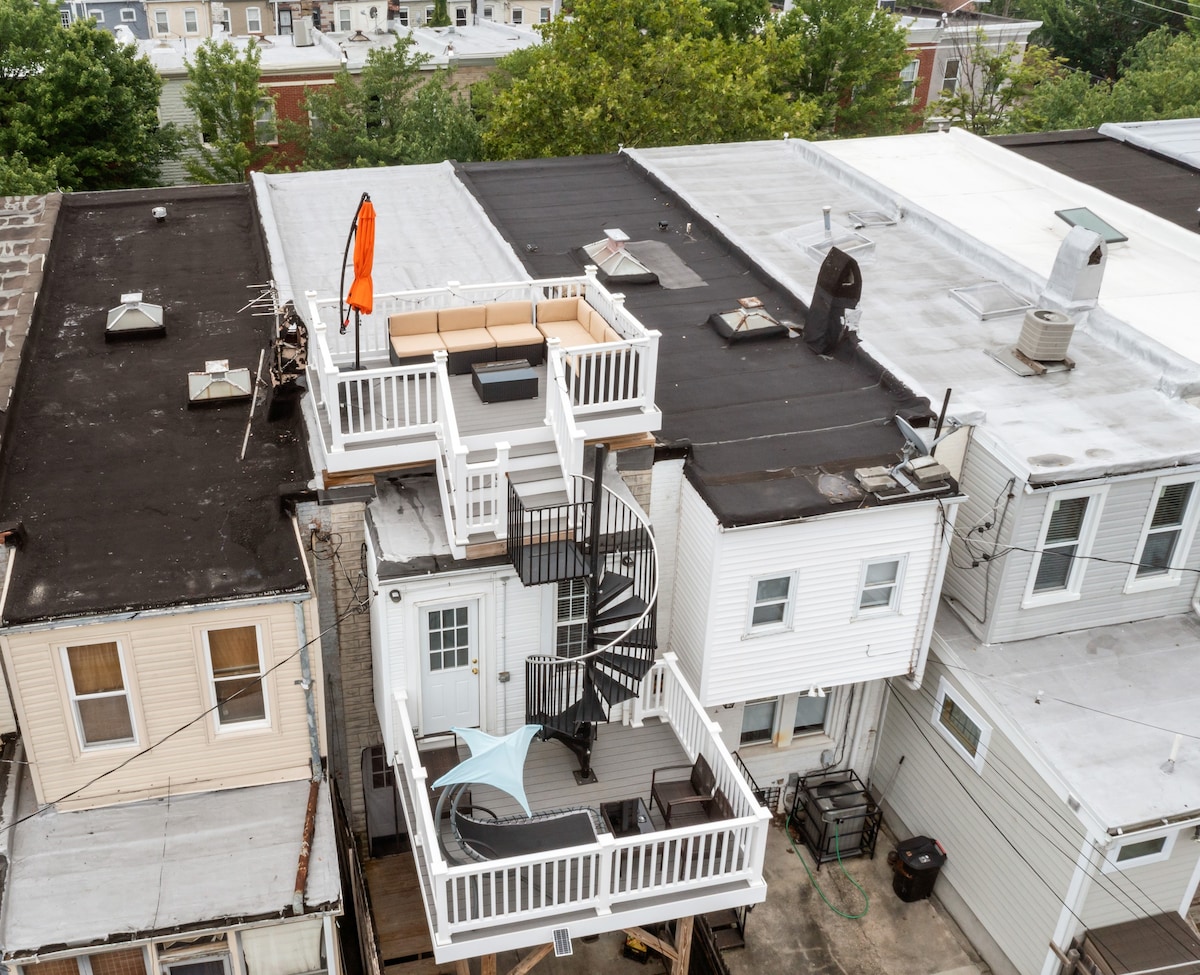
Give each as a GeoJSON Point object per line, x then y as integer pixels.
{"type": "Point", "coordinates": [626, 817]}
{"type": "Point", "coordinates": [500, 382]}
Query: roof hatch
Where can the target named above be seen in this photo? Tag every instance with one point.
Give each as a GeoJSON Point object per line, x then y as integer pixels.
{"type": "Point", "coordinates": [134, 318]}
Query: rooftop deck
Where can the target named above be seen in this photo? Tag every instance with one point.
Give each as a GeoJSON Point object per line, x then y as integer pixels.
{"type": "Point", "coordinates": [482, 907]}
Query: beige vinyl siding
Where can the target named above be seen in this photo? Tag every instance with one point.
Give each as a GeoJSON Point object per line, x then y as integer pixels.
{"type": "Point", "coordinates": [974, 590]}
{"type": "Point", "coordinates": [830, 641]}
{"type": "Point", "coordinates": [692, 599]}
{"type": "Point", "coordinates": [1011, 842]}
{"type": "Point", "coordinates": [168, 685]}
{"type": "Point", "coordinates": [1135, 892]}
{"type": "Point", "coordinates": [8, 720]}
{"type": "Point", "coordinates": [1103, 600]}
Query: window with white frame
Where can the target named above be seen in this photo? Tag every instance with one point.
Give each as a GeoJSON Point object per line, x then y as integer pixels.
{"type": "Point", "coordinates": [908, 81]}
{"type": "Point", "coordinates": [65, 17]}
{"type": "Point", "coordinates": [191, 25]}
{"type": "Point", "coordinates": [518, 15]}
{"type": "Point", "coordinates": [264, 122]}
{"type": "Point", "coordinates": [544, 15]}
{"type": "Point", "coordinates": [97, 16]}
{"type": "Point", "coordinates": [1166, 535]}
{"type": "Point", "coordinates": [253, 20]}
{"type": "Point", "coordinates": [1139, 851]}
{"type": "Point", "coordinates": [879, 585]}
{"type": "Point", "coordinates": [570, 618]}
{"type": "Point", "coordinates": [235, 667]}
{"type": "Point", "coordinates": [428, 14]}
{"type": "Point", "coordinates": [345, 22]}
{"type": "Point", "coordinates": [402, 16]}
{"type": "Point", "coordinates": [161, 24]}
{"type": "Point", "coordinates": [950, 76]}
{"type": "Point", "coordinates": [128, 15]}
{"type": "Point", "coordinates": [1068, 527]}
{"type": "Point", "coordinates": [810, 714]}
{"type": "Point", "coordinates": [488, 13]}
{"type": "Point", "coordinates": [961, 725]}
{"type": "Point", "coordinates": [460, 16]}
{"type": "Point", "coordinates": [99, 694]}
{"type": "Point", "coordinates": [771, 599]}
{"type": "Point", "coordinates": [758, 720]}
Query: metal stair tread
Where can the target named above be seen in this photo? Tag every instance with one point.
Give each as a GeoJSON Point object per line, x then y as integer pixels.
{"type": "Point", "coordinates": [627, 664]}
{"type": "Point", "coordinates": [629, 609]}
{"type": "Point", "coordinates": [609, 688]}
{"type": "Point", "coordinates": [614, 585]}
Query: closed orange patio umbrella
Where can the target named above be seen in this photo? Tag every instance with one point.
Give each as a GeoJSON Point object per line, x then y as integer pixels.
{"type": "Point", "coordinates": [362, 292]}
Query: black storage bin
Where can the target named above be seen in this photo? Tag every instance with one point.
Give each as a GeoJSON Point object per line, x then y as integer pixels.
{"type": "Point", "coordinates": [916, 867]}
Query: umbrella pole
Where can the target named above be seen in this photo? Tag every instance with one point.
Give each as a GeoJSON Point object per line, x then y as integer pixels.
{"type": "Point", "coordinates": [357, 332]}
{"type": "Point", "coordinates": [343, 318]}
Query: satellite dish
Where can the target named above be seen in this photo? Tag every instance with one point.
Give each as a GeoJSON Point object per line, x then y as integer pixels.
{"type": "Point", "coordinates": [911, 435]}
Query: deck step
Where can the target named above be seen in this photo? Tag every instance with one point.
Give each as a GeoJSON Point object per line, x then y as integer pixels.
{"type": "Point", "coordinates": [727, 939]}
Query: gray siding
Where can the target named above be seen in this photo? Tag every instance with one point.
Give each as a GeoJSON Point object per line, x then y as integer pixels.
{"type": "Point", "coordinates": [972, 585]}
{"type": "Point", "coordinates": [1012, 844]}
{"type": "Point", "coordinates": [172, 109]}
{"type": "Point", "coordinates": [1136, 892]}
{"type": "Point", "coordinates": [1103, 600]}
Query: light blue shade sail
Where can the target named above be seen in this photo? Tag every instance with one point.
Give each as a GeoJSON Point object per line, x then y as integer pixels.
{"type": "Point", "coordinates": [498, 762]}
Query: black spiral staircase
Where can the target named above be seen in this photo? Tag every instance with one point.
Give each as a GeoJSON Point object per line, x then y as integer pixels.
{"type": "Point", "coordinates": [600, 538]}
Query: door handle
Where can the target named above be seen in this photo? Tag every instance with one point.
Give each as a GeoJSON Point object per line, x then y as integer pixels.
{"type": "Point", "coordinates": [474, 670]}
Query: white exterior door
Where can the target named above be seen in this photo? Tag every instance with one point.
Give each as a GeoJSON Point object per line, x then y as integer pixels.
{"type": "Point", "coordinates": [449, 666]}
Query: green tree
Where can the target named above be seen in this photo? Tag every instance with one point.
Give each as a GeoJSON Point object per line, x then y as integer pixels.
{"type": "Point", "coordinates": [854, 52]}
{"type": "Point", "coordinates": [234, 113]}
{"type": "Point", "coordinates": [642, 73]}
{"type": "Point", "coordinates": [1159, 79]}
{"type": "Point", "coordinates": [78, 111]}
{"type": "Point", "coordinates": [1093, 37]}
{"type": "Point", "coordinates": [388, 115]}
{"type": "Point", "coordinates": [738, 19]}
{"type": "Point", "coordinates": [994, 80]}
{"type": "Point", "coordinates": [441, 14]}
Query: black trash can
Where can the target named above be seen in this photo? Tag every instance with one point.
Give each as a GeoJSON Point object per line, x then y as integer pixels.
{"type": "Point", "coordinates": [916, 866]}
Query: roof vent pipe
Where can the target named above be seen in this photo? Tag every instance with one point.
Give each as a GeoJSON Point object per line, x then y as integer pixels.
{"type": "Point", "coordinates": [828, 221]}
{"type": "Point", "coordinates": [1074, 283]}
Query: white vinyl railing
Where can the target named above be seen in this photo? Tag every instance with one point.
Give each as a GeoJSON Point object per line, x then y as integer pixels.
{"type": "Point", "coordinates": [600, 876]}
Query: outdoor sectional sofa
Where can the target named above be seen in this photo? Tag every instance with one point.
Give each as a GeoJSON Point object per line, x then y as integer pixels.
{"type": "Point", "coordinates": [496, 331]}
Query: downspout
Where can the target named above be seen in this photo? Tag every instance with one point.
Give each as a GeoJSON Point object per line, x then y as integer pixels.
{"type": "Point", "coordinates": [504, 656]}
{"type": "Point", "coordinates": [934, 593]}
{"type": "Point", "coordinates": [306, 680]}
{"type": "Point", "coordinates": [310, 827]}
{"type": "Point", "coordinates": [310, 701]}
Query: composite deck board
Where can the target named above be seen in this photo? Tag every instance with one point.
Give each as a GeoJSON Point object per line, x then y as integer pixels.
{"type": "Point", "coordinates": [396, 904]}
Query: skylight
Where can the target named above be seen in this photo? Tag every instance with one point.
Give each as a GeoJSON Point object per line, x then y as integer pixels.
{"type": "Point", "coordinates": [1083, 217]}
{"type": "Point", "coordinates": [990, 299]}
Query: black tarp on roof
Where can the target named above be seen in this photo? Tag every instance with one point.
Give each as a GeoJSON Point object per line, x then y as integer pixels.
{"type": "Point", "coordinates": [130, 500]}
{"type": "Point", "coordinates": [768, 424]}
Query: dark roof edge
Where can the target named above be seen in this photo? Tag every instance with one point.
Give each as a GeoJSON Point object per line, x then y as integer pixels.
{"type": "Point", "coordinates": [1048, 138]}
{"type": "Point", "coordinates": [133, 611]}
{"type": "Point", "coordinates": [156, 194]}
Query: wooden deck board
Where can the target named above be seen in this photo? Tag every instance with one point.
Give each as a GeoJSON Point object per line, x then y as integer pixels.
{"type": "Point", "coordinates": [396, 904]}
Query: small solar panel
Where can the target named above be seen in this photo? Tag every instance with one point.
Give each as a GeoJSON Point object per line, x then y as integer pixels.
{"type": "Point", "coordinates": [1083, 217]}
{"type": "Point", "coordinates": [562, 943]}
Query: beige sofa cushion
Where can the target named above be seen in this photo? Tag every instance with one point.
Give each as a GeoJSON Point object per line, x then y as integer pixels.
{"type": "Point", "coordinates": [560, 310]}
{"type": "Point", "coordinates": [509, 313]}
{"type": "Point", "coordinates": [458, 319]}
{"type": "Point", "coordinates": [507, 336]}
{"type": "Point", "coordinates": [600, 330]}
{"type": "Point", "coordinates": [425, 343]}
{"type": "Point", "coordinates": [467, 339]}
{"type": "Point", "coordinates": [570, 334]}
{"type": "Point", "coordinates": [413, 322]}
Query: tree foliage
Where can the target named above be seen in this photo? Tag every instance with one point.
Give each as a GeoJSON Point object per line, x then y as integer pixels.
{"type": "Point", "coordinates": [994, 81]}
{"type": "Point", "coordinates": [1093, 37]}
{"type": "Point", "coordinates": [389, 115]}
{"type": "Point", "coordinates": [640, 73]}
{"type": "Point", "coordinates": [1159, 79]}
{"type": "Point", "coordinates": [738, 19]}
{"type": "Point", "coordinates": [228, 140]}
{"type": "Point", "coordinates": [441, 14]}
{"type": "Point", "coordinates": [78, 111]}
{"type": "Point", "coordinates": [854, 52]}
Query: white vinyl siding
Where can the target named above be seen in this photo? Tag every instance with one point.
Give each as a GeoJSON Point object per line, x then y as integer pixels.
{"type": "Point", "coordinates": [829, 643]}
{"type": "Point", "coordinates": [164, 663]}
{"type": "Point", "coordinates": [1012, 842]}
{"type": "Point", "coordinates": [1103, 598]}
{"type": "Point", "coordinates": [1167, 536]}
{"type": "Point", "coordinates": [1141, 887]}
